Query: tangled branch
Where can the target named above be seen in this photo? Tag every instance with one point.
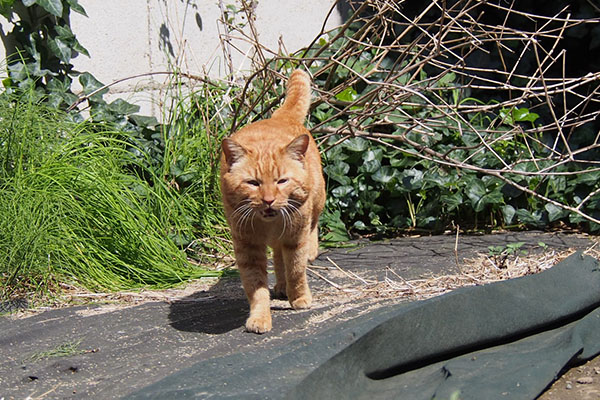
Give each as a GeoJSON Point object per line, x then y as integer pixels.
{"type": "Point", "coordinates": [449, 84]}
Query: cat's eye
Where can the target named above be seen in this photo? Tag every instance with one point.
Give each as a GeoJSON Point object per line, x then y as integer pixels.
{"type": "Point", "coordinates": [282, 181]}
{"type": "Point", "coordinates": [253, 182]}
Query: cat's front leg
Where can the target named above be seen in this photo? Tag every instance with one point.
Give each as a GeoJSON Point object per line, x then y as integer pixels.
{"type": "Point", "coordinates": [252, 264]}
{"type": "Point", "coordinates": [295, 259]}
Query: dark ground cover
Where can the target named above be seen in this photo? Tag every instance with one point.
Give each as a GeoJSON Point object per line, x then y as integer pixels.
{"type": "Point", "coordinates": [117, 349]}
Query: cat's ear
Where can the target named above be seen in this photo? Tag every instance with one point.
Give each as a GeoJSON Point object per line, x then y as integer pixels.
{"type": "Point", "coordinates": [297, 148]}
{"type": "Point", "coordinates": [232, 150]}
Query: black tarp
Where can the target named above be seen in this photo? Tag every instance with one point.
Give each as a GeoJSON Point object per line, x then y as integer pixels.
{"type": "Point", "coordinates": [507, 340]}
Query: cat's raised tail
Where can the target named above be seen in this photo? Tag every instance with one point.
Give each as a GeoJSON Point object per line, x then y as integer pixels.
{"type": "Point", "coordinates": [297, 99]}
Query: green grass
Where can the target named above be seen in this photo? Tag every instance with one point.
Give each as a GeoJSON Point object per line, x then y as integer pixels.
{"type": "Point", "coordinates": [78, 206]}
{"type": "Point", "coordinates": [63, 350]}
{"type": "Point", "coordinates": [192, 132]}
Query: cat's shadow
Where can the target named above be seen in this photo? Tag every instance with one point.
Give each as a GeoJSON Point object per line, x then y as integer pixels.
{"type": "Point", "coordinates": [218, 310]}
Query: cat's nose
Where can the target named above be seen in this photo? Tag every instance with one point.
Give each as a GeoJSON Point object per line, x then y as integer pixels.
{"type": "Point", "coordinates": [268, 201]}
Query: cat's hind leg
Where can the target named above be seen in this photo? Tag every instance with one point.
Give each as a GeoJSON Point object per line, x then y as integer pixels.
{"type": "Point", "coordinates": [313, 243]}
{"type": "Point", "coordinates": [279, 291]}
{"type": "Point", "coordinates": [295, 260]}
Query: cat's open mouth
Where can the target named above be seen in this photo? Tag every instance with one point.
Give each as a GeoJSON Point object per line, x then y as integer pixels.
{"type": "Point", "coordinates": [269, 213]}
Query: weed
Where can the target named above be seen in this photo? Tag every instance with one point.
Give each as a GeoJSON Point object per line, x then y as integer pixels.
{"type": "Point", "coordinates": [64, 350]}
{"type": "Point", "coordinates": [501, 254]}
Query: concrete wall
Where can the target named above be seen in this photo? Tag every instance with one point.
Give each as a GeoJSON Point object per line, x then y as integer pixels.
{"type": "Point", "coordinates": [126, 38]}
{"type": "Point", "coordinates": [131, 37]}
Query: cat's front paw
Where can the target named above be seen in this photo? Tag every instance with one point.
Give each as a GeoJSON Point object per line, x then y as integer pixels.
{"type": "Point", "coordinates": [258, 324]}
{"type": "Point", "coordinates": [301, 303]}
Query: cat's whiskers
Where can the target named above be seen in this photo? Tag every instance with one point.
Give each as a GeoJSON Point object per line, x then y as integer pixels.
{"type": "Point", "coordinates": [242, 221]}
{"type": "Point", "coordinates": [252, 221]}
{"type": "Point", "coordinates": [294, 208]}
{"type": "Point", "coordinates": [285, 217]}
{"type": "Point", "coordinates": [242, 207]}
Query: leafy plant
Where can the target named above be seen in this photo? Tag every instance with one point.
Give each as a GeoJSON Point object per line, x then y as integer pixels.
{"type": "Point", "coordinates": [412, 146]}
{"type": "Point", "coordinates": [114, 201]}
{"type": "Point", "coordinates": [40, 48]}
{"type": "Point", "coordinates": [501, 254]}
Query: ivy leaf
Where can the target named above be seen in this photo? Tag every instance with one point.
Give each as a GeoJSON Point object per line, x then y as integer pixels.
{"type": "Point", "coordinates": [554, 212]}
{"type": "Point", "coordinates": [75, 6]}
{"type": "Point", "coordinates": [508, 212]}
{"type": "Point", "coordinates": [60, 49]}
{"type": "Point", "coordinates": [342, 191]}
{"type": "Point", "coordinates": [347, 95]}
{"type": "Point", "coordinates": [54, 7]}
{"type": "Point", "coordinates": [120, 106]}
{"type": "Point", "coordinates": [144, 121]}
{"type": "Point", "coordinates": [57, 85]}
{"type": "Point", "coordinates": [370, 166]}
{"type": "Point", "coordinates": [335, 228]}
{"type": "Point", "coordinates": [91, 84]}
{"type": "Point", "coordinates": [520, 113]}
{"type": "Point", "coordinates": [79, 48]}
{"type": "Point", "coordinates": [356, 144]}
{"type": "Point", "coordinates": [338, 171]}
{"type": "Point", "coordinates": [475, 192]}
{"type": "Point", "coordinates": [452, 201]}
{"type": "Point", "coordinates": [28, 3]}
{"type": "Point", "coordinates": [506, 116]}
{"type": "Point", "coordinates": [523, 114]}
{"type": "Point", "coordinates": [384, 174]}
{"type": "Point", "coordinates": [412, 179]}
{"type": "Point", "coordinates": [336, 236]}
{"type": "Point", "coordinates": [64, 32]}
{"type": "Point", "coordinates": [373, 154]}
{"type": "Point", "coordinates": [447, 79]}
{"type": "Point", "coordinates": [530, 218]}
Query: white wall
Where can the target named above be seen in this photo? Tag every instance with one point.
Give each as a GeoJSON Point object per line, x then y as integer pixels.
{"type": "Point", "coordinates": [132, 37]}
{"type": "Point", "coordinates": [127, 38]}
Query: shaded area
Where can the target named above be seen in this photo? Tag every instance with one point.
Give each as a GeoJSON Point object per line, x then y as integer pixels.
{"type": "Point", "coordinates": [212, 317]}
{"type": "Point", "coordinates": [209, 311]}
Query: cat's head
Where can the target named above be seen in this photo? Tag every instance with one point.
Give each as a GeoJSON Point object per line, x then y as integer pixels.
{"type": "Point", "coordinates": [266, 180]}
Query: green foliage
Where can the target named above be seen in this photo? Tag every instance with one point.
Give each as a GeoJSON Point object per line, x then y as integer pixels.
{"type": "Point", "coordinates": [41, 47]}
{"type": "Point", "coordinates": [380, 185]}
{"type": "Point", "coordinates": [113, 201]}
{"type": "Point", "coordinates": [77, 205]}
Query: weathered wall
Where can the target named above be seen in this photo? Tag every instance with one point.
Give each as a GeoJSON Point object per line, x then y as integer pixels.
{"type": "Point", "coordinates": [127, 38]}
{"type": "Point", "coordinates": [133, 37]}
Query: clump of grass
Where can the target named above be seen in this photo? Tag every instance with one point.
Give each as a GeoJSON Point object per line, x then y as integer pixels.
{"type": "Point", "coordinates": [195, 122]}
{"type": "Point", "coordinates": [63, 350]}
{"type": "Point", "coordinates": [77, 206]}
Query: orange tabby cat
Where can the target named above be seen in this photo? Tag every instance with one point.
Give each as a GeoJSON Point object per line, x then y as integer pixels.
{"type": "Point", "coordinates": [273, 193]}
